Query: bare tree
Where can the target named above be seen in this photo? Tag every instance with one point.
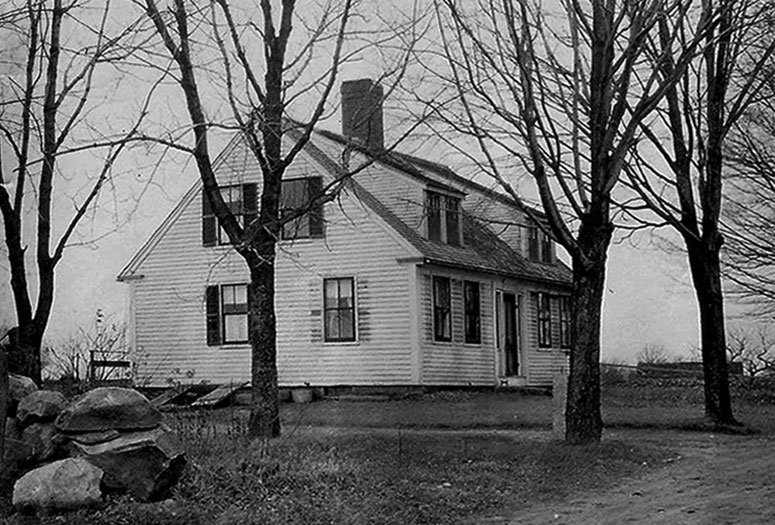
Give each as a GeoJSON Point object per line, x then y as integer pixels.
{"type": "Point", "coordinates": [749, 214]}
{"type": "Point", "coordinates": [697, 116]}
{"type": "Point", "coordinates": [756, 352]}
{"type": "Point", "coordinates": [260, 95]}
{"type": "Point", "coordinates": [652, 354]}
{"type": "Point", "coordinates": [552, 93]}
{"type": "Point", "coordinates": [46, 115]}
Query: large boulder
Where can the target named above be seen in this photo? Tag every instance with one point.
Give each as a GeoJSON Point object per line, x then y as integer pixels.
{"type": "Point", "coordinates": [109, 408]}
{"type": "Point", "coordinates": [18, 454]}
{"type": "Point", "coordinates": [64, 484]}
{"type": "Point", "coordinates": [19, 387]}
{"type": "Point", "coordinates": [44, 440]}
{"type": "Point", "coordinates": [146, 464]}
{"type": "Point", "coordinates": [40, 406]}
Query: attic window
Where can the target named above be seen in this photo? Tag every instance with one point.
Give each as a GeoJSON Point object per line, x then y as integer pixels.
{"type": "Point", "coordinates": [539, 245]}
{"type": "Point", "coordinates": [240, 200]}
{"type": "Point", "coordinates": [443, 213]}
{"type": "Point", "coordinates": [297, 197]}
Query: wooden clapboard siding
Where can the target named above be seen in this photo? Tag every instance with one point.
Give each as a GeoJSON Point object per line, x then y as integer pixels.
{"type": "Point", "coordinates": [404, 195]}
{"type": "Point", "coordinates": [455, 362]}
{"type": "Point", "coordinates": [169, 303]}
{"type": "Point", "coordinates": [543, 363]}
{"type": "Point", "coordinates": [170, 310]}
{"type": "Point", "coordinates": [357, 246]}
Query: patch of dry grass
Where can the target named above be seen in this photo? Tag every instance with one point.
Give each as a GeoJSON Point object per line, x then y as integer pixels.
{"type": "Point", "coordinates": [353, 477]}
{"type": "Point", "coordinates": [436, 459]}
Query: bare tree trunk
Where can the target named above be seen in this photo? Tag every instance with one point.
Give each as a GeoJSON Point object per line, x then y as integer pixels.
{"type": "Point", "coordinates": [584, 423]}
{"type": "Point", "coordinates": [26, 353]}
{"type": "Point", "coordinates": [705, 266]}
{"type": "Point", "coordinates": [264, 411]}
{"type": "Point", "coordinates": [5, 477]}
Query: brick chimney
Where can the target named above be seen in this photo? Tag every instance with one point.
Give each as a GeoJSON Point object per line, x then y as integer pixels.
{"type": "Point", "coordinates": [362, 113]}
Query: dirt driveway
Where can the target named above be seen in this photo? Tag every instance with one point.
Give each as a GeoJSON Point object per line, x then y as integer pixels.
{"type": "Point", "coordinates": [713, 480]}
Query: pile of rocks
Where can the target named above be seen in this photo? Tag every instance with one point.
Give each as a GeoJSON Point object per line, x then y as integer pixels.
{"type": "Point", "coordinates": [68, 455]}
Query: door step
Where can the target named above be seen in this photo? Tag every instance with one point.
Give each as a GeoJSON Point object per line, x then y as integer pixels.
{"type": "Point", "coordinates": [512, 382]}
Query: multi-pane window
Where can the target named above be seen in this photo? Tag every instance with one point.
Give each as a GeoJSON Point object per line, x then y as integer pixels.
{"type": "Point", "coordinates": [539, 245]}
{"type": "Point", "coordinates": [442, 309]}
{"type": "Point", "coordinates": [339, 309]}
{"type": "Point", "coordinates": [472, 309]}
{"type": "Point", "coordinates": [232, 196]}
{"type": "Point", "coordinates": [565, 311]}
{"type": "Point", "coordinates": [240, 200]}
{"type": "Point", "coordinates": [443, 215]}
{"type": "Point", "coordinates": [234, 312]}
{"type": "Point", "coordinates": [227, 314]}
{"type": "Point", "coordinates": [543, 307]}
{"type": "Point", "coordinates": [533, 252]}
{"type": "Point", "coordinates": [301, 218]}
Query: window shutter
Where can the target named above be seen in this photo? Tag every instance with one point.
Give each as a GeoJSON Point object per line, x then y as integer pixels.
{"type": "Point", "coordinates": [546, 248]}
{"type": "Point", "coordinates": [209, 223]}
{"type": "Point", "coordinates": [212, 298]}
{"type": "Point", "coordinates": [250, 203]}
{"type": "Point", "coordinates": [251, 291]}
{"type": "Point", "coordinates": [453, 221]}
{"type": "Point", "coordinates": [315, 189]}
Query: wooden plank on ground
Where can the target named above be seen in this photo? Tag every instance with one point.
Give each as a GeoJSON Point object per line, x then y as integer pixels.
{"type": "Point", "coordinates": [169, 395]}
{"type": "Point", "coordinates": [218, 395]}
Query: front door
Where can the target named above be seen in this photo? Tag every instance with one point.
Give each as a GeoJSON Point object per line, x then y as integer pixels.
{"type": "Point", "coordinates": [510, 335]}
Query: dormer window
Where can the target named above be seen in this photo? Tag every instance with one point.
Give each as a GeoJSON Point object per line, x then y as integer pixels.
{"type": "Point", "coordinates": [539, 245]}
{"type": "Point", "coordinates": [443, 212]}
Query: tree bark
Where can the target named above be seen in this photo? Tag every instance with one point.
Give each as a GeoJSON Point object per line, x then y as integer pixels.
{"type": "Point", "coordinates": [6, 483]}
{"type": "Point", "coordinates": [24, 355]}
{"type": "Point", "coordinates": [584, 423]}
{"type": "Point", "coordinates": [264, 411]}
{"type": "Point", "coordinates": [705, 265]}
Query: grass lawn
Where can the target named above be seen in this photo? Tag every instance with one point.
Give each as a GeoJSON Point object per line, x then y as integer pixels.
{"type": "Point", "coordinates": [675, 408]}
{"type": "Point", "coordinates": [440, 458]}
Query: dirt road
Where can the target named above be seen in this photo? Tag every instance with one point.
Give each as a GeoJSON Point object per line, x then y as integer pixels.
{"type": "Point", "coordinates": [714, 480]}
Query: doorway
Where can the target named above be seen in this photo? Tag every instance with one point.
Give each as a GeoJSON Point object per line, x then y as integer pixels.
{"type": "Point", "coordinates": [508, 320]}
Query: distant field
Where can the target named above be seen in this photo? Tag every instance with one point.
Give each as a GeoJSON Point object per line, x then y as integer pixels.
{"type": "Point", "coordinates": [623, 406]}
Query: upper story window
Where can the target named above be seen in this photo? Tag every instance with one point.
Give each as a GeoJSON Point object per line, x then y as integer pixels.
{"type": "Point", "coordinates": [539, 245]}
{"type": "Point", "coordinates": [443, 212]}
{"type": "Point", "coordinates": [241, 201]}
{"type": "Point", "coordinates": [297, 196]}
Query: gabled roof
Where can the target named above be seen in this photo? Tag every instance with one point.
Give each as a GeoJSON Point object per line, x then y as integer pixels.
{"type": "Point", "coordinates": [482, 250]}
{"type": "Point", "coordinates": [417, 167]}
{"type": "Point", "coordinates": [129, 272]}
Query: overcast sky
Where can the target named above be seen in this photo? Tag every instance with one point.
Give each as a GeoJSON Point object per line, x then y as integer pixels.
{"type": "Point", "coordinates": [648, 300]}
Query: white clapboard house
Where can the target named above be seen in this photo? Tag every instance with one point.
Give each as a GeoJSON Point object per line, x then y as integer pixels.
{"type": "Point", "coordinates": [414, 276]}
